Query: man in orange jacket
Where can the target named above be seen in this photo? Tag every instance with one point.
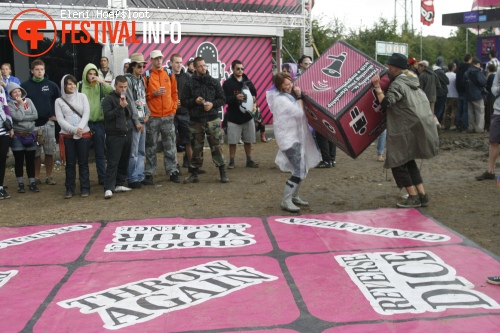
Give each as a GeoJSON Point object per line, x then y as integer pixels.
{"type": "Point", "coordinates": [161, 96]}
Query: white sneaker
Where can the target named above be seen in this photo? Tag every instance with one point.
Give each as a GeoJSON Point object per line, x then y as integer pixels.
{"type": "Point", "coordinates": [122, 189]}
{"type": "Point", "coordinates": [108, 194]}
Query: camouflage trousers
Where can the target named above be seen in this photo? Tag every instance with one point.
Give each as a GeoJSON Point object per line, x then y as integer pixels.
{"type": "Point", "coordinates": [213, 132]}
{"type": "Point", "coordinates": [165, 127]}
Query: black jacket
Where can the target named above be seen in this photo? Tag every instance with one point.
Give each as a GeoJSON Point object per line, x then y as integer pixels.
{"type": "Point", "coordinates": [443, 79]}
{"type": "Point", "coordinates": [475, 83]}
{"type": "Point", "coordinates": [117, 120]}
{"type": "Point", "coordinates": [232, 87]}
{"type": "Point", "coordinates": [461, 69]}
{"type": "Point", "coordinates": [208, 88]}
{"type": "Point", "coordinates": [182, 78]}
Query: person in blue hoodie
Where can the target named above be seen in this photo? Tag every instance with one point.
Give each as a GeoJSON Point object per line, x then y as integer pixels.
{"type": "Point", "coordinates": [43, 93]}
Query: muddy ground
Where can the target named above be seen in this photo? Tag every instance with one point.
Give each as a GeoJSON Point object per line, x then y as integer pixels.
{"type": "Point", "coordinates": [470, 207]}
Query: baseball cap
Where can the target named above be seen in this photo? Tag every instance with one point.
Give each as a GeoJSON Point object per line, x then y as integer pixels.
{"type": "Point", "coordinates": [411, 61]}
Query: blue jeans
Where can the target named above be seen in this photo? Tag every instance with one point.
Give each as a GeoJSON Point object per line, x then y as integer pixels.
{"type": "Point", "coordinates": [381, 142]}
{"type": "Point", "coordinates": [77, 150]}
{"type": "Point", "coordinates": [137, 155]}
{"type": "Point", "coordinates": [98, 141]}
{"type": "Point", "coordinates": [462, 117]}
{"type": "Point", "coordinates": [439, 108]}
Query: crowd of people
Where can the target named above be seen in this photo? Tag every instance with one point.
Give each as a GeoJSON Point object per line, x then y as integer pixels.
{"type": "Point", "coordinates": [122, 117]}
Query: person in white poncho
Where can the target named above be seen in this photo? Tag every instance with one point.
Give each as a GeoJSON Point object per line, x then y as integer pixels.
{"type": "Point", "coordinates": [297, 150]}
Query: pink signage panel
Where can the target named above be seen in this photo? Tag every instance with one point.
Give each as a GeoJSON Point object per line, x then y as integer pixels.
{"type": "Point", "coordinates": [180, 238]}
{"type": "Point", "coordinates": [448, 325]}
{"type": "Point", "coordinates": [172, 295]}
{"type": "Point", "coordinates": [47, 244]}
{"type": "Point", "coordinates": [398, 284]}
{"type": "Point", "coordinates": [382, 228]}
{"type": "Point", "coordinates": [338, 88]}
{"type": "Point", "coordinates": [22, 291]}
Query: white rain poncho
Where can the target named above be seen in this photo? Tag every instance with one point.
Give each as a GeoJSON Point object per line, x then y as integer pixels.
{"type": "Point", "coordinates": [297, 150]}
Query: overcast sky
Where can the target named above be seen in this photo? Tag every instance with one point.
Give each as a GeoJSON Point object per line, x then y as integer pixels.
{"type": "Point", "coordinates": [356, 13]}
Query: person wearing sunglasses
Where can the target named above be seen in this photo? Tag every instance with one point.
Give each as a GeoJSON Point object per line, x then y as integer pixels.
{"type": "Point", "coordinates": [240, 120]}
{"type": "Point", "coordinates": [304, 63]}
{"type": "Point", "coordinates": [140, 116]}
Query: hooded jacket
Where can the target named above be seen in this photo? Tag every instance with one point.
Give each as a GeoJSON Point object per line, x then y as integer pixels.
{"type": "Point", "coordinates": [210, 89]}
{"type": "Point", "coordinates": [4, 112]}
{"type": "Point", "coordinates": [23, 116]}
{"type": "Point", "coordinates": [232, 87]}
{"type": "Point", "coordinates": [43, 95]}
{"type": "Point", "coordinates": [69, 120]}
{"type": "Point", "coordinates": [429, 83]}
{"type": "Point", "coordinates": [411, 131]}
{"type": "Point", "coordinates": [443, 80]}
{"type": "Point", "coordinates": [94, 92]}
{"type": "Point", "coordinates": [474, 83]}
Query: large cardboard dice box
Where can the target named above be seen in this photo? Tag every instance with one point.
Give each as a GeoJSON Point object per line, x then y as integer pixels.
{"type": "Point", "coordinates": [339, 98]}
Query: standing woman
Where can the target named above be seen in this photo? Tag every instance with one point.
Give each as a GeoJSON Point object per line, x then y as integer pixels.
{"type": "Point", "coordinates": [6, 133]}
{"type": "Point", "coordinates": [72, 113]}
{"type": "Point", "coordinates": [24, 115]}
{"type": "Point", "coordinates": [297, 150]}
{"type": "Point", "coordinates": [411, 130]}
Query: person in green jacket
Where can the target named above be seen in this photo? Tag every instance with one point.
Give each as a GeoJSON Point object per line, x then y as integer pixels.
{"type": "Point", "coordinates": [96, 89]}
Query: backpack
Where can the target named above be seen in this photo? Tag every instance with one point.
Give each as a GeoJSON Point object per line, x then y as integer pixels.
{"type": "Point", "coordinates": [147, 74]}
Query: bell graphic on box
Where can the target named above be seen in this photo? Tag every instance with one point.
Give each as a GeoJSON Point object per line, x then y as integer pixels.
{"type": "Point", "coordinates": [334, 68]}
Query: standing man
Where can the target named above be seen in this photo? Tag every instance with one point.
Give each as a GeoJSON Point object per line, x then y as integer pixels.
{"type": "Point", "coordinates": [104, 72]}
{"type": "Point", "coordinates": [462, 117]}
{"type": "Point", "coordinates": [494, 132]}
{"type": "Point", "coordinates": [442, 92]}
{"type": "Point", "coordinates": [6, 78]}
{"type": "Point", "coordinates": [451, 105]}
{"type": "Point", "coordinates": [474, 83]}
{"type": "Point", "coordinates": [43, 93]}
{"type": "Point", "coordinates": [136, 92]}
{"type": "Point", "coordinates": [203, 96]}
{"type": "Point", "coordinates": [239, 123]}
{"type": "Point", "coordinates": [161, 96]}
{"type": "Point", "coordinates": [117, 116]}
{"type": "Point", "coordinates": [96, 89]}
{"type": "Point", "coordinates": [429, 83]}
{"type": "Point", "coordinates": [181, 119]}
